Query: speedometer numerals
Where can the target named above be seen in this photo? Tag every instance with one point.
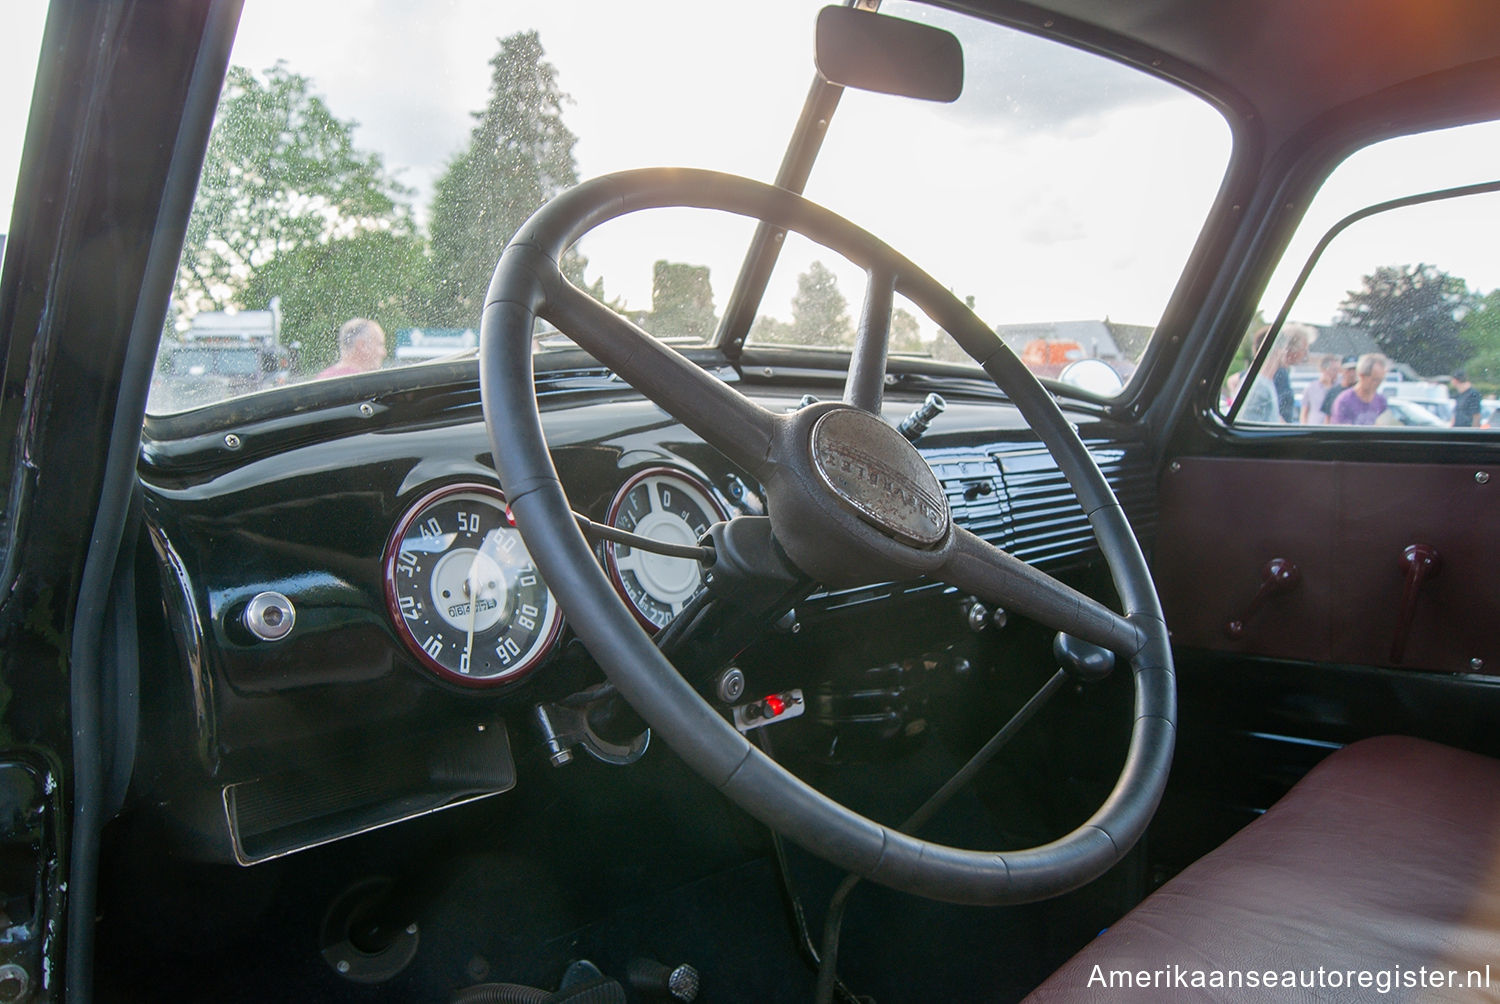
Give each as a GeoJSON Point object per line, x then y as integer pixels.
{"type": "Point", "coordinates": [668, 505]}
{"type": "Point", "coordinates": [463, 593]}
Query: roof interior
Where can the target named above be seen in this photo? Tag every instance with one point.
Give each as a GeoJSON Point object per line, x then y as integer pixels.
{"type": "Point", "coordinates": [1292, 61]}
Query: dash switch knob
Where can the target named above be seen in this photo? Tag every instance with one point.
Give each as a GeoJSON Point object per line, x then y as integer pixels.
{"type": "Point", "coordinates": [269, 616]}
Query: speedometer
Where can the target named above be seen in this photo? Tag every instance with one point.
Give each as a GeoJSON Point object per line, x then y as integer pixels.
{"type": "Point", "coordinates": [463, 591]}
{"type": "Point", "coordinates": [667, 505]}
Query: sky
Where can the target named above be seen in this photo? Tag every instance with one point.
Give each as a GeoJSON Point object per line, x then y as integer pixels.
{"type": "Point", "coordinates": [21, 25]}
{"type": "Point", "coordinates": [1060, 186]}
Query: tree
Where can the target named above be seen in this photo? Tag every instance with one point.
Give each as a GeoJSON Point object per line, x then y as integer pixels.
{"type": "Point", "coordinates": [768, 330]}
{"type": "Point", "coordinates": [520, 154]}
{"type": "Point", "coordinates": [682, 301]}
{"type": "Point", "coordinates": [1482, 333]}
{"type": "Point", "coordinates": [906, 335]}
{"type": "Point", "coordinates": [820, 314]}
{"type": "Point", "coordinates": [1415, 313]}
{"type": "Point", "coordinates": [376, 274]}
{"type": "Point", "coordinates": [1482, 325]}
{"type": "Point", "coordinates": [282, 178]}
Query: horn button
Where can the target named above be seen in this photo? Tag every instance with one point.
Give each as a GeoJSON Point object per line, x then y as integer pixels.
{"type": "Point", "coordinates": [872, 471]}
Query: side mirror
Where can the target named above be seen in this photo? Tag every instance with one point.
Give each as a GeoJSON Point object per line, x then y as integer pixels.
{"type": "Point", "coordinates": [874, 52]}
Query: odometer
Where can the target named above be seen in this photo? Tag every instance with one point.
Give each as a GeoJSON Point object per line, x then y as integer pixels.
{"type": "Point", "coordinates": [667, 505]}
{"type": "Point", "coordinates": [463, 591]}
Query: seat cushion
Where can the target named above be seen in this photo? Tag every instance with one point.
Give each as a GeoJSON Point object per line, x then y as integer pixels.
{"type": "Point", "coordinates": [1384, 860]}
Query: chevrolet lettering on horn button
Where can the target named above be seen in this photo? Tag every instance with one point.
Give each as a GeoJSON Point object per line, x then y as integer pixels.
{"type": "Point", "coordinates": [879, 475]}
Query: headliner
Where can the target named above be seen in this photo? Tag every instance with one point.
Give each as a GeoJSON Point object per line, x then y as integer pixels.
{"type": "Point", "coordinates": [1293, 61]}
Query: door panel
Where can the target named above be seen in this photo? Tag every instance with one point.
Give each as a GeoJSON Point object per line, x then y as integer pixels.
{"type": "Point", "coordinates": [1346, 529]}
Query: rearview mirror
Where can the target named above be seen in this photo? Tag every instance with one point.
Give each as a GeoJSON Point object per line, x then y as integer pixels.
{"type": "Point", "coordinates": [873, 52]}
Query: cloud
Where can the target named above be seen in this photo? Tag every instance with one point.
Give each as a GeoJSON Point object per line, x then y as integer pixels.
{"type": "Point", "coordinates": [1052, 220]}
{"type": "Point", "coordinates": [1021, 81]}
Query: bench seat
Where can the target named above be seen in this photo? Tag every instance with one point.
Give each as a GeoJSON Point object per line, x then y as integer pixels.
{"type": "Point", "coordinates": [1384, 859]}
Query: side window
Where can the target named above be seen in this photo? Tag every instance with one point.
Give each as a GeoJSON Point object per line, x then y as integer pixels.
{"type": "Point", "coordinates": [23, 25]}
{"type": "Point", "coordinates": [1385, 313]}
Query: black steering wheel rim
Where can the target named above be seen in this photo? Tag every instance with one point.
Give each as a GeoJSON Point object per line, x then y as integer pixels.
{"type": "Point", "coordinates": [784, 452]}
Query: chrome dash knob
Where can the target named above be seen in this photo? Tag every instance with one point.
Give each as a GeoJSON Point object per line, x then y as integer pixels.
{"type": "Point", "coordinates": [269, 616]}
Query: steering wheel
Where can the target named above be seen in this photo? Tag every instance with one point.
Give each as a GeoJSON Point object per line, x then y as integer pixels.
{"type": "Point", "coordinates": [850, 501]}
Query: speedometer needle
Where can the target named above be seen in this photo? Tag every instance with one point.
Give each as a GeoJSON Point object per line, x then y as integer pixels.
{"type": "Point", "coordinates": [472, 585]}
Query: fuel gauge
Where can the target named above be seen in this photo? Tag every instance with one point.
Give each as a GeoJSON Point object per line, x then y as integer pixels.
{"type": "Point", "coordinates": [668, 505]}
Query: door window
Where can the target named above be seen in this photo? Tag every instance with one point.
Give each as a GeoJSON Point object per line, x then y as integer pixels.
{"type": "Point", "coordinates": [1385, 313]}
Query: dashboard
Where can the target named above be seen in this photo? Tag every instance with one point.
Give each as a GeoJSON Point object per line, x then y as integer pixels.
{"type": "Point", "coordinates": [344, 630]}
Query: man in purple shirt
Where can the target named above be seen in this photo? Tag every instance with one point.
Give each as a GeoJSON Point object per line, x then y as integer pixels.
{"type": "Point", "coordinates": [1362, 404]}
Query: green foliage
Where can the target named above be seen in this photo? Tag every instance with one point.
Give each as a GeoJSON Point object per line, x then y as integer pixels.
{"type": "Point", "coordinates": [1484, 371]}
{"type": "Point", "coordinates": [820, 314]}
{"type": "Point", "coordinates": [682, 302]}
{"type": "Point", "coordinates": [1482, 333]}
{"type": "Point", "coordinates": [1482, 326]}
{"type": "Point", "coordinates": [768, 330]}
{"type": "Point", "coordinates": [1416, 315]}
{"type": "Point", "coordinates": [520, 154]}
{"type": "Point", "coordinates": [281, 178]}
{"type": "Point", "coordinates": [378, 274]}
{"type": "Point", "coordinates": [906, 336]}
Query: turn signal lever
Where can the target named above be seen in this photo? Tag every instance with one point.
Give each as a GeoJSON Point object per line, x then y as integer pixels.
{"type": "Point", "coordinates": [921, 417]}
{"type": "Point", "coordinates": [1083, 661]}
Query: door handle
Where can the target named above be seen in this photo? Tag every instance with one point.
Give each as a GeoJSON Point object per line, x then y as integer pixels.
{"type": "Point", "coordinates": [1419, 563]}
{"type": "Point", "coordinates": [1277, 576]}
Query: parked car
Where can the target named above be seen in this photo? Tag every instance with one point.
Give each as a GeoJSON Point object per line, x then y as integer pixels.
{"type": "Point", "coordinates": [1408, 412]}
{"type": "Point", "coordinates": [770, 666]}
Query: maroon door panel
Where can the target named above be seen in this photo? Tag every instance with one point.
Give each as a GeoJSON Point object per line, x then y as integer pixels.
{"type": "Point", "coordinates": [1367, 564]}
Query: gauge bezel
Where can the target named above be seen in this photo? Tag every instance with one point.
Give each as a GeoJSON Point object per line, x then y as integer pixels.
{"type": "Point", "coordinates": [543, 649]}
{"type": "Point", "coordinates": [610, 565]}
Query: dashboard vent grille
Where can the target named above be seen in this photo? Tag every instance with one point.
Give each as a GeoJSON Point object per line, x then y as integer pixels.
{"type": "Point", "coordinates": [1051, 527]}
{"type": "Point", "coordinates": [1018, 499]}
{"type": "Point", "coordinates": [976, 495]}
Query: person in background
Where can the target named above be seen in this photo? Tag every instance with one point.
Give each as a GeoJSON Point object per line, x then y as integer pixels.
{"type": "Point", "coordinates": [1260, 404]}
{"type": "Point", "coordinates": [361, 348]}
{"type": "Point", "coordinates": [1291, 350]}
{"type": "Point", "coordinates": [1363, 403]}
{"type": "Point", "coordinates": [1465, 402]}
{"type": "Point", "coordinates": [1346, 380]}
{"type": "Point", "coordinates": [1313, 412]}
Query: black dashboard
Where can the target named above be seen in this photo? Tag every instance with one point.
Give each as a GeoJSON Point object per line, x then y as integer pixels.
{"type": "Point", "coordinates": [342, 710]}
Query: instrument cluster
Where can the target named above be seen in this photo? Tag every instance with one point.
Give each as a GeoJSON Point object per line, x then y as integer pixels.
{"type": "Point", "coordinates": [467, 599]}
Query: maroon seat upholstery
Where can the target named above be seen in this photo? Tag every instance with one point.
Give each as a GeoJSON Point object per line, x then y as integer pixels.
{"type": "Point", "coordinates": [1384, 860]}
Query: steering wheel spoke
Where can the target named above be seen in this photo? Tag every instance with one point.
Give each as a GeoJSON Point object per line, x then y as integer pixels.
{"type": "Point", "coordinates": [865, 386]}
{"type": "Point", "coordinates": [727, 420]}
{"type": "Point", "coordinates": [976, 566]}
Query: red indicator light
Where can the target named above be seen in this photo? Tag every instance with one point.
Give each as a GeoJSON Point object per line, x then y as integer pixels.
{"type": "Point", "coordinates": [774, 706]}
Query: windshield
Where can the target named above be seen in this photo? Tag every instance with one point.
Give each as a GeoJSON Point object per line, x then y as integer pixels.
{"type": "Point", "coordinates": [358, 192]}
{"type": "Point", "coordinates": [201, 362]}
